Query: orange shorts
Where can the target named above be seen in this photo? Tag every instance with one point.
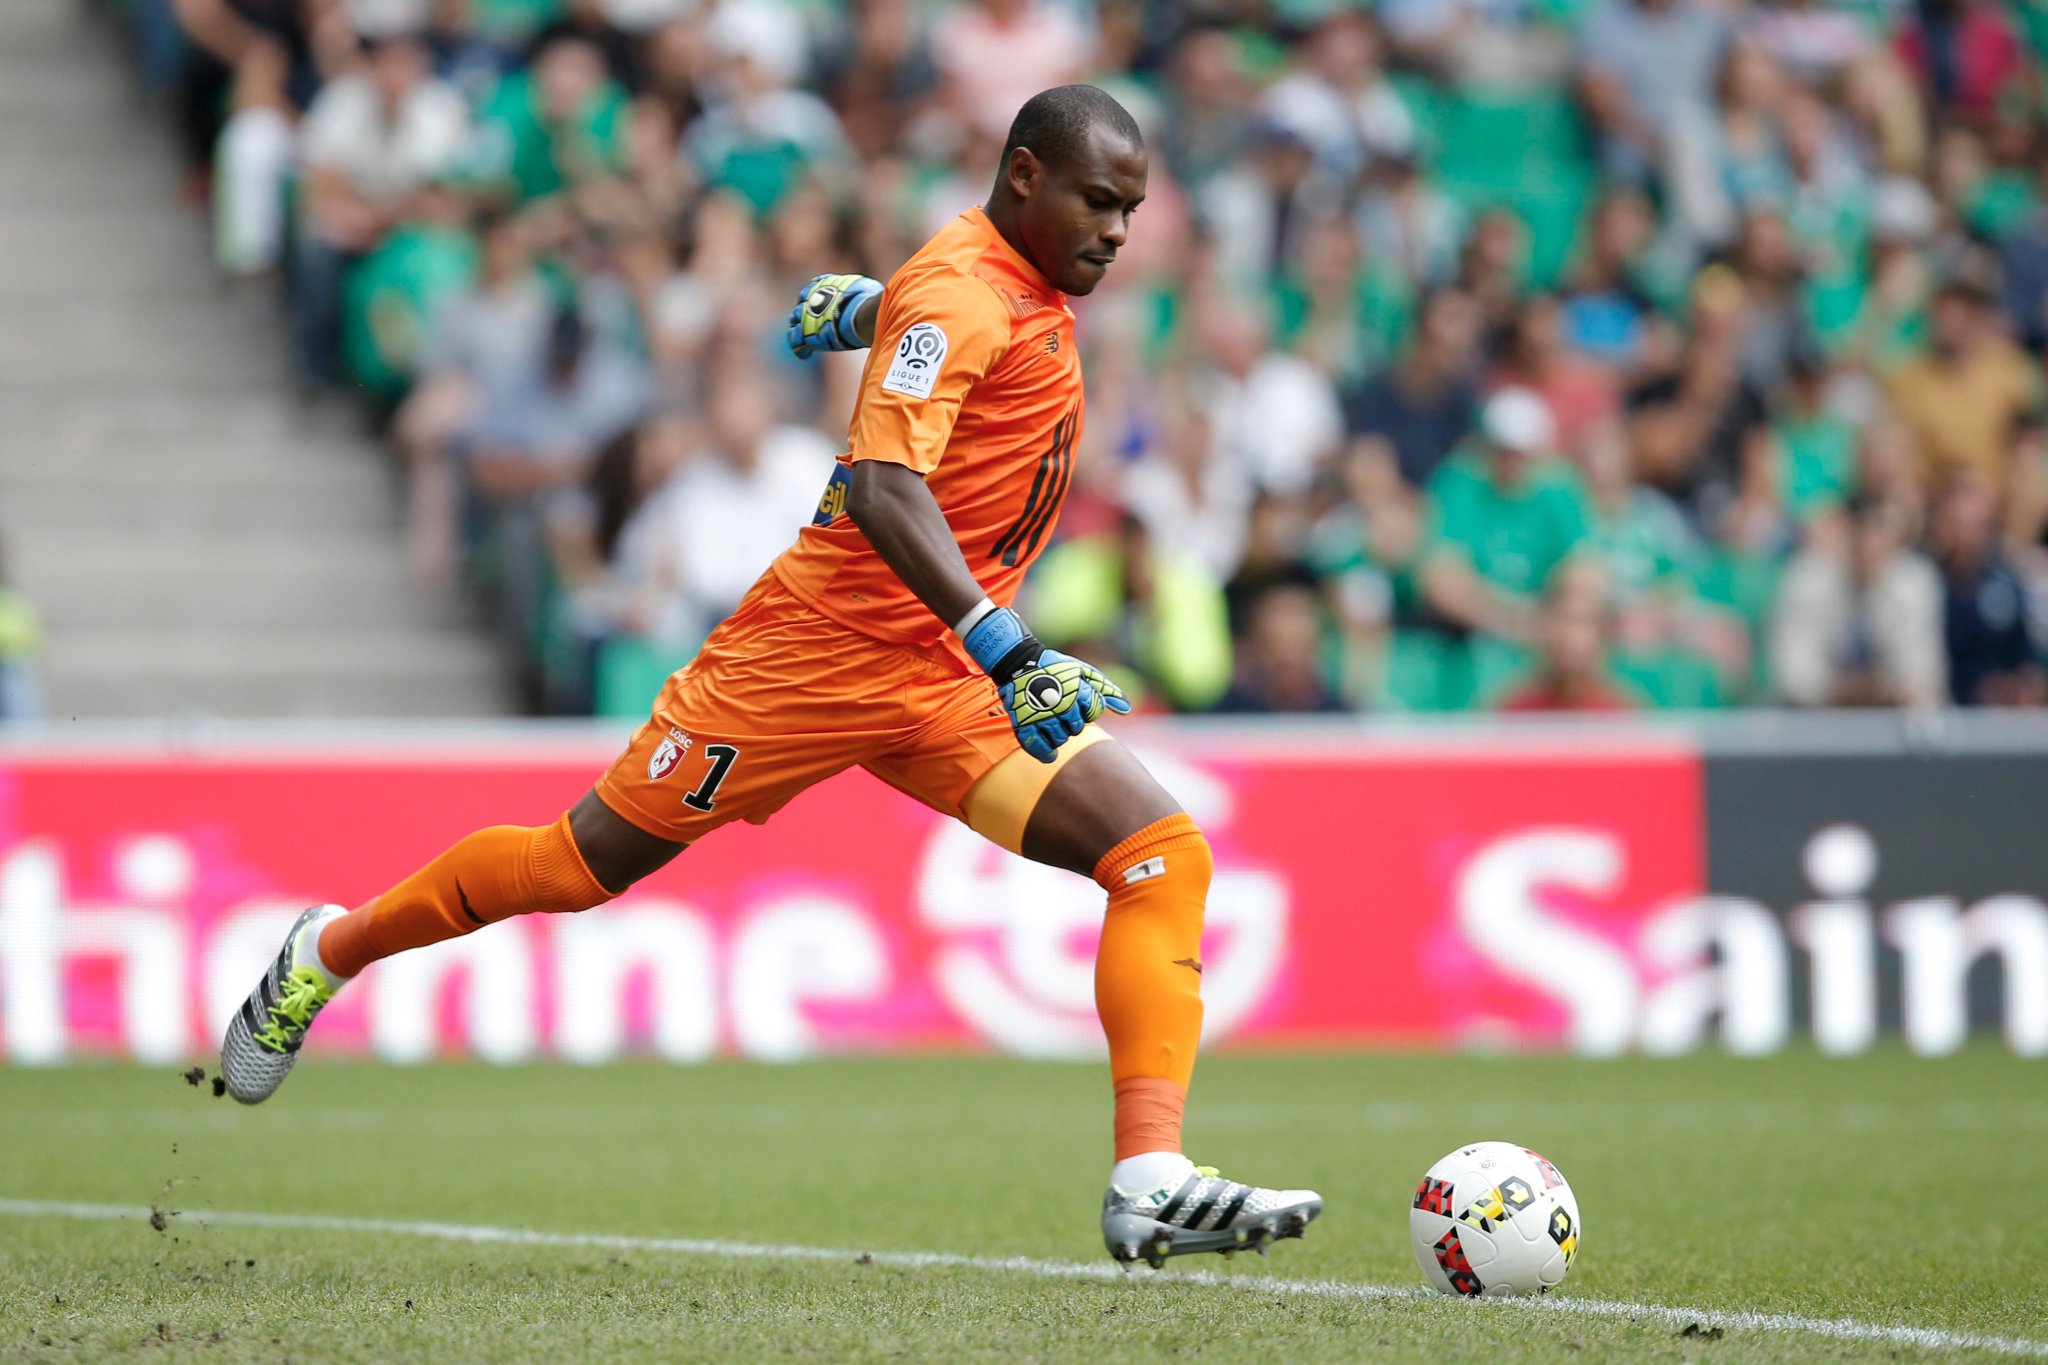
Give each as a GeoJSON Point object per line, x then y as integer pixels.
{"type": "Point", "coordinates": [781, 698]}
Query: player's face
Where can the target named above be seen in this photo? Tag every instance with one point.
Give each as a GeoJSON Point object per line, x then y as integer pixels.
{"type": "Point", "coordinates": [1077, 214]}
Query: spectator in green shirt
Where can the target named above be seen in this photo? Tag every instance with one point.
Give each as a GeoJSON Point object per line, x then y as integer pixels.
{"type": "Point", "coordinates": [556, 125]}
{"type": "Point", "coordinates": [1503, 515]}
{"type": "Point", "coordinates": [1816, 448]}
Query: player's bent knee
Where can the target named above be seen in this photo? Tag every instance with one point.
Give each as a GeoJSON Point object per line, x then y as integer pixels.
{"type": "Point", "coordinates": [613, 850]}
{"type": "Point", "coordinates": [1171, 846]}
{"type": "Point", "coordinates": [1102, 799]}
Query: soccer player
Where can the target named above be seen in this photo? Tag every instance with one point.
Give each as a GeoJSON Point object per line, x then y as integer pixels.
{"type": "Point", "coordinates": [883, 639]}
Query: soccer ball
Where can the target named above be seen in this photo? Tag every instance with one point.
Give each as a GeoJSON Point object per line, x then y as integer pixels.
{"type": "Point", "coordinates": [1494, 1219]}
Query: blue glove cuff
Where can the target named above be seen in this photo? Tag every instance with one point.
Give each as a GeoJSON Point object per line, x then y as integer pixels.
{"type": "Point", "coordinates": [995, 638]}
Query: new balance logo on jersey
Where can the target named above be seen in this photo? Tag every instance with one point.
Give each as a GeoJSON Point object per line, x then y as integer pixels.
{"type": "Point", "coordinates": [1052, 343]}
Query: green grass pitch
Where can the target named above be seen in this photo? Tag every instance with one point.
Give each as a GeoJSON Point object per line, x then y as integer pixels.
{"type": "Point", "coordinates": [1887, 1190]}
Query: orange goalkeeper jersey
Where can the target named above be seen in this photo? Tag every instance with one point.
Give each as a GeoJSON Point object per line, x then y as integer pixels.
{"type": "Point", "coordinates": [975, 383]}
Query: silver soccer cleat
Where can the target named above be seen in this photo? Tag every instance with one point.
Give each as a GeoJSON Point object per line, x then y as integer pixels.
{"type": "Point", "coordinates": [263, 1038]}
{"type": "Point", "coordinates": [1202, 1212]}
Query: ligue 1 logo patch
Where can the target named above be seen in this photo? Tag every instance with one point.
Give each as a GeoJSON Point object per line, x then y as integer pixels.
{"type": "Point", "coordinates": [668, 755]}
{"type": "Point", "coordinates": [915, 367]}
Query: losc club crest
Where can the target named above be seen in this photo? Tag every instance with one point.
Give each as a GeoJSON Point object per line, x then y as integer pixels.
{"type": "Point", "coordinates": [668, 755]}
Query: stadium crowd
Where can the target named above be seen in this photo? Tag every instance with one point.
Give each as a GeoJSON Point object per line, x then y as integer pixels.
{"type": "Point", "coordinates": [1517, 354]}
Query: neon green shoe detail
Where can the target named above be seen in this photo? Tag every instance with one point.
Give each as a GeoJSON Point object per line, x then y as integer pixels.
{"type": "Point", "coordinates": [302, 995]}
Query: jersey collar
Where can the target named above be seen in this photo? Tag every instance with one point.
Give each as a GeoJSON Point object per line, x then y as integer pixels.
{"type": "Point", "coordinates": [1031, 274]}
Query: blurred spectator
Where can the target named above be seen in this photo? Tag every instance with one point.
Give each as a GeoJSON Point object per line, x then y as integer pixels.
{"type": "Point", "coordinates": [1697, 424]}
{"type": "Point", "coordinates": [878, 71]}
{"type": "Point", "coordinates": [556, 125]}
{"type": "Point", "coordinates": [1208, 119]}
{"type": "Point", "coordinates": [542, 420]}
{"type": "Point", "coordinates": [1572, 633]}
{"type": "Point", "coordinates": [1505, 515]}
{"type": "Point", "coordinates": [495, 329]}
{"type": "Point", "coordinates": [1965, 53]}
{"type": "Point", "coordinates": [1648, 70]}
{"type": "Point", "coordinates": [1279, 659]}
{"type": "Point", "coordinates": [1422, 408]}
{"type": "Point", "coordinates": [2023, 269]}
{"type": "Point", "coordinates": [1859, 616]}
{"type": "Point", "coordinates": [1816, 447]}
{"type": "Point", "coordinates": [1772, 324]}
{"type": "Point", "coordinates": [995, 54]}
{"type": "Point", "coordinates": [1992, 658]}
{"type": "Point", "coordinates": [1607, 310]}
{"type": "Point", "coordinates": [21, 643]}
{"type": "Point", "coordinates": [1961, 400]}
{"type": "Point", "coordinates": [590, 21]}
{"type": "Point", "coordinates": [1492, 266]}
{"type": "Point", "coordinates": [373, 140]}
{"type": "Point", "coordinates": [1192, 505]}
{"type": "Point", "coordinates": [757, 137]}
{"type": "Point", "coordinates": [1750, 98]}
{"type": "Point", "coordinates": [610, 553]}
{"type": "Point", "coordinates": [1123, 595]}
{"type": "Point", "coordinates": [1274, 553]}
{"type": "Point", "coordinates": [1579, 394]}
{"type": "Point", "coordinates": [1274, 416]}
{"type": "Point", "coordinates": [1339, 101]}
{"type": "Point", "coordinates": [1813, 41]}
{"type": "Point", "coordinates": [539, 429]}
{"type": "Point", "coordinates": [730, 507]}
{"type": "Point", "coordinates": [1259, 210]}
{"type": "Point", "coordinates": [1409, 223]}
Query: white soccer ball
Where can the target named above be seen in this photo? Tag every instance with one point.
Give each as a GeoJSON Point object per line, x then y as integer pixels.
{"type": "Point", "coordinates": [1494, 1219]}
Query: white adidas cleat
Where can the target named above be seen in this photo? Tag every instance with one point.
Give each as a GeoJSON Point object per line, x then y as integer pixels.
{"type": "Point", "coordinates": [1200, 1211]}
{"type": "Point", "coordinates": [263, 1038]}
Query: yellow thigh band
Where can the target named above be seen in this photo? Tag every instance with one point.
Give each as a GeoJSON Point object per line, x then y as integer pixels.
{"type": "Point", "coordinates": [1000, 804]}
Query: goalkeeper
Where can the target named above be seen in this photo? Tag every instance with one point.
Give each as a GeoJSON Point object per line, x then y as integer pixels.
{"type": "Point", "coordinates": [882, 639]}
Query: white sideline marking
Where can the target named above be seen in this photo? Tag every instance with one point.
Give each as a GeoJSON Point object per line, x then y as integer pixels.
{"type": "Point", "coordinates": [1840, 1329]}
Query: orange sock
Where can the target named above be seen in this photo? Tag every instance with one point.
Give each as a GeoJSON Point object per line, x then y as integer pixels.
{"type": "Point", "coordinates": [491, 875]}
{"type": "Point", "coordinates": [1148, 977]}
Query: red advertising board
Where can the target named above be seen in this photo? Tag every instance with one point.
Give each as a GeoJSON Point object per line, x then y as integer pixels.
{"type": "Point", "coordinates": [1415, 892]}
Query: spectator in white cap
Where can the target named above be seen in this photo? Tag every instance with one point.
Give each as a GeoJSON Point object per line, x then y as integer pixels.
{"type": "Point", "coordinates": [1504, 514]}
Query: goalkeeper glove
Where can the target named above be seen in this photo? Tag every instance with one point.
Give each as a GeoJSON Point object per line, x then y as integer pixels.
{"type": "Point", "coordinates": [1050, 696]}
{"type": "Point", "coordinates": [823, 317]}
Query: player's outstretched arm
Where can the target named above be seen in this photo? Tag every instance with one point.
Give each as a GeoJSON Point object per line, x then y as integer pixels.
{"type": "Point", "coordinates": [1050, 696]}
{"type": "Point", "coordinates": [834, 313]}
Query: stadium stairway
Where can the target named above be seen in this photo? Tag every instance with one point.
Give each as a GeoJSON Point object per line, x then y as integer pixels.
{"type": "Point", "coordinates": [195, 541]}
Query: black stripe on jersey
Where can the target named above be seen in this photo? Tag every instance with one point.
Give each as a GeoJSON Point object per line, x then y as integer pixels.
{"type": "Point", "coordinates": [1004, 549]}
{"type": "Point", "coordinates": [1048, 490]}
{"type": "Point", "coordinates": [1063, 476]}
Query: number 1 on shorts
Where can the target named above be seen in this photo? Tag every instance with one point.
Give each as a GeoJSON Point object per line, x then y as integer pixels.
{"type": "Point", "coordinates": [706, 795]}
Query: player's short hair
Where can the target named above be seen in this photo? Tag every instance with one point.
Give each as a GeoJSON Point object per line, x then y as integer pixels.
{"type": "Point", "coordinates": [1054, 123]}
